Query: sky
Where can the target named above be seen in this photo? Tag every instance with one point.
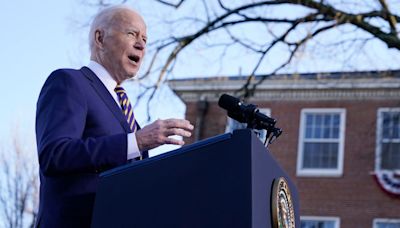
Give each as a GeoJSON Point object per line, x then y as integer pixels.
{"type": "Point", "coordinates": [34, 42]}
{"type": "Point", "coordinates": [38, 37]}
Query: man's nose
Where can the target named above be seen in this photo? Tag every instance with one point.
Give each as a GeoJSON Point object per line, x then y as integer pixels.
{"type": "Point", "coordinates": [140, 44]}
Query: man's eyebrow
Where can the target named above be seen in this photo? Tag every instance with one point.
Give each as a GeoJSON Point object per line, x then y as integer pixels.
{"type": "Point", "coordinates": [134, 29]}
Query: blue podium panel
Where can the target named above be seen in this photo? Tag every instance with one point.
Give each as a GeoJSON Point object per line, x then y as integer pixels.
{"type": "Point", "coordinates": [225, 181]}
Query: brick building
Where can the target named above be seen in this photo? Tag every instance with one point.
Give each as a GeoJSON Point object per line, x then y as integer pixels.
{"type": "Point", "coordinates": [340, 131]}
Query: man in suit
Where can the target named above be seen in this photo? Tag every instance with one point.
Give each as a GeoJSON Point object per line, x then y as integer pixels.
{"type": "Point", "coordinates": [81, 129]}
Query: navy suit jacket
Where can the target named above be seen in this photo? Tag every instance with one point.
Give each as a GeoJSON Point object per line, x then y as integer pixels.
{"type": "Point", "coordinates": [80, 131]}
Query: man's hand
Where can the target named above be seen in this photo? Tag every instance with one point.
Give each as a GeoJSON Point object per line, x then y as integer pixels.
{"type": "Point", "coordinates": [157, 133]}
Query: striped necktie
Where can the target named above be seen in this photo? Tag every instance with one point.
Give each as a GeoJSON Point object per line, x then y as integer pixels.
{"type": "Point", "coordinates": [126, 107]}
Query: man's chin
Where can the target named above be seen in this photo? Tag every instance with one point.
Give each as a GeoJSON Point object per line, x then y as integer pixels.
{"type": "Point", "coordinates": [131, 75]}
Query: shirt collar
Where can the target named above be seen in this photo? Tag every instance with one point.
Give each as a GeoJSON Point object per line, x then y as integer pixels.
{"type": "Point", "coordinates": [103, 75]}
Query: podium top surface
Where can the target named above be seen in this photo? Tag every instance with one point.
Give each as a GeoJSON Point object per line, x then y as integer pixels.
{"type": "Point", "coordinates": [178, 151]}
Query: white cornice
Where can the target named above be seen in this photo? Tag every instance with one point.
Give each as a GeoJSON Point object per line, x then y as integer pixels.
{"type": "Point", "coordinates": [292, 95]}
{"type": "Point", "coordinates": [218, 84]}
{"type": "Point", "coordinates": [292, 89]}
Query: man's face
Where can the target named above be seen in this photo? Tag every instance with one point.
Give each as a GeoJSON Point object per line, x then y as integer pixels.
{"type": "Point", "coordinates": [124, 45]}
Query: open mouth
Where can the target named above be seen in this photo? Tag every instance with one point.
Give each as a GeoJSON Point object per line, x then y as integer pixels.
{"type": "Point", "coordinates": [134, 58]}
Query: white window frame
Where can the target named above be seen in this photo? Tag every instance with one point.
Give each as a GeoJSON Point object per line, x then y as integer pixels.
{"type": "Point", "coordinates": [314, 172]}
{"type": "Point", "coordinates": [322, 218]}
{"type": "Point", "coordinates": [379, 125]}
{"type": "Point", "coordinates": [385, 220]}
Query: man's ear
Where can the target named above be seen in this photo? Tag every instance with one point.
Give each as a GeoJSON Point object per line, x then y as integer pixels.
{"type": "Point", "coordinates": [99, 38]}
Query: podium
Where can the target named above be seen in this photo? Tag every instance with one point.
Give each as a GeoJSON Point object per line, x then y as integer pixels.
{"type": "Point", "coordinates": [230, 180]}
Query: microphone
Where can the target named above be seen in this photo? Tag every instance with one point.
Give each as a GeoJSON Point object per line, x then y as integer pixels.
{"type": "Point", "coordinates": [248, 113]}
{"type": "Point", "coordinates": [245, 113]}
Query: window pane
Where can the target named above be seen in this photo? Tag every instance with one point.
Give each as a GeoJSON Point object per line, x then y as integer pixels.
{"type": "Point", "coordinates": [328, 120]}
{"type": "Point", "coordinates": [309, 126]}
{"type": "Point", "coordinates": [336, 119]}
{"type": "Point", "coordinates": [309, 120]}
{"type": "Point", "coordinates": [326, 132]}
{"type": "Point", "coordinates": [317, 132]}
{"type": "Point", "coordinates": [317, 224]}
{"type": "Point", "coordinates": [396, 125]}
{"type": "Point", "coordinates": [320, 155]}
{"type": "Point", "coordinates": [391, 125]}
{"type": "Point", "coordinates": [336, 125]}
{"type": "Point", "coordinates": [308, 132]}
{"type": "Point", "coordinates": [390, 155]}
{"type": "Point", "coordinates": [335, 132]}
{"type": "Point", "coordinates": [322, 126]}
{"type": "Point", "coordinates": [318, 126]}
{"type": "Point", "coordinates": [318, 119]}
{"type": "Point", "coordinates": [386, 125]}
{"type": "Point", "coordinates": [388, 225]}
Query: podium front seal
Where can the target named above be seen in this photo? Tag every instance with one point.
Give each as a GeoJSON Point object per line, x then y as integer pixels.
{"type": "Point", "coordinates": [282, 205]}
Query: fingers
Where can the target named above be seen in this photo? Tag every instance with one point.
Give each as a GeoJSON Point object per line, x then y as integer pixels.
{"type": "Point", "coordinates": [174, 141]}
{"type": "Point", "coordinates": [178, 123]}
{"type": "Point", "coordinates": [177, 131]}
{"type": "Point", "coordinates": [159, 132]}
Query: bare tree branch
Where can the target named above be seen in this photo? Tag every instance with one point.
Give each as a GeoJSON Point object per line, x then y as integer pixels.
{"type": "Point", "coordinates": [390, 18]}
{"type": "Point", "coordinates": [380, 14]}
{"type": "Point", "coordinates": [283, 29]}
{"type": "Point", "coordinates": [357, 20]}
{"type": "Point", "coordinates": [176, 5]}
{"type": "Point", "coordinates": [292, 53]}
{"type": "Point", "coordinates": [18, 185]}
{"type": "Point", "coordinates": [206, 10]}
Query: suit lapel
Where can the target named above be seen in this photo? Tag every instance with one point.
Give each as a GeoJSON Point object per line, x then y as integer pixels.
{"type": "Point", "coordinates": [106, 97]}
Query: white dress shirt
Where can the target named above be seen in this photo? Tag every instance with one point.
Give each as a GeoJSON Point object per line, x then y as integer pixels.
{"type": "Point", "coordinates": [110, 84]}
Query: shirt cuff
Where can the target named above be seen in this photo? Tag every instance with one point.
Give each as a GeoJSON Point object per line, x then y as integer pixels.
{"type": "Point", "coordinates": [133, 149]}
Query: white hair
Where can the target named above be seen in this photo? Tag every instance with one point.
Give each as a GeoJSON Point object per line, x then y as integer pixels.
{"type": "Point", "coordinates": [103, 20]}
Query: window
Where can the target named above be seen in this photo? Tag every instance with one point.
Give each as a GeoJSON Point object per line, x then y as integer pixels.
{"type": "Point", "coordinates": [233, 125]}
{"type": "Point", "coordinates": [386, 223]}
{"type": "Point", "coordinates": [319, 222]}
{"type": "Point", "coordinates": [321, 142]}
{"type": "Point", "coordinates": [388, 139]}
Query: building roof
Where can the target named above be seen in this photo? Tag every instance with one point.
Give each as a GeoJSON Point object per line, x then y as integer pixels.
{"type": "Point", "coordinates": [310, 76]}
{"type": "Point", "coordinates": [333, 85]}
